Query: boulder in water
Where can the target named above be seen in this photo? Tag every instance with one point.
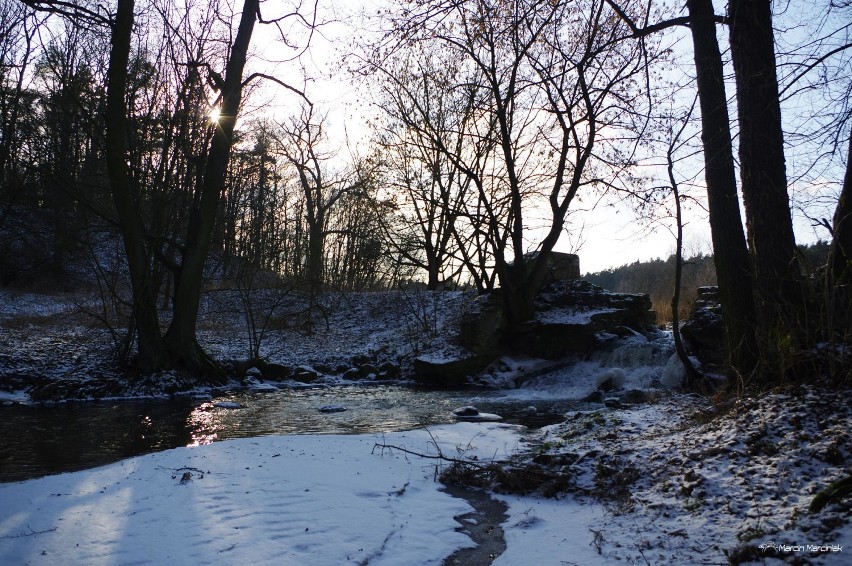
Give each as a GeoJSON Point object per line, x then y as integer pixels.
{"type": "Point", "coordinates": [351, 374]}
{"type": "Point", "coordinates": [673, 374]}
{"type": "Point", "coordinates": [611, 379]}
{"type": "Point", "coordinates": [304, 374]}
{"type": "Point", "coordinates": [472, 414]}
{"type": "Point", "coordinates": [468, 411]}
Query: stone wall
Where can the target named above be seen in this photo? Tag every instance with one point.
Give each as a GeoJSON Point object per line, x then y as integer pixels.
{"type": "Point", "coordinates": [560, 266]}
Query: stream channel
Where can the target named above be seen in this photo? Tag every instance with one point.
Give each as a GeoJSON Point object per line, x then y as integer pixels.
{"type": "Point", "coordinates": [43, 440]}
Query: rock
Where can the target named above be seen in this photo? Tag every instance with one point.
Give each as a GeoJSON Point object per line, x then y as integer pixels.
{"type": "Point", "coordinates": [447, 369]}
{"type": "Point", "coordinates": [481, 325]}
{"type": "Point", "coordinates": [324, 369]}
{"type": "Point", "coordinates": [673, 374]}
{"type": "Point", "coordinates": [366, 370]}
{"type": "Point", "coordinates": [570, 316]}
{"type": "Point", "coordinates": [611, 379]}
{"type": "Point", "coordinates": [276, 372]}
{"type": "Point", "coordinates": [702, 332]}
{"type": "Point", "coordinates": [472, 414]}
{"type": "Point", "coordinates": [332, 409]}
{"type": "Point", "coordinates": [351, 374]}
{"type": "Point", "coordinates": [635, 397]}
{"type": "Point", "coordinates": [468, 411]}
{"type": "Point", "coordinates": [614, 403]}
{"type": "Point", "coordinates": [304, 374]}
{"type": "Point", "coordinates": [482, 418]}
{"type": "Point", "coordinates": [389, 370]}
{"type": "Point", "coordinates": [593, 397]}
{"type": "Point", "coordinates": [254, 372]}
{"type": "Point", "coordinates": [560, 266]}
{"type": "Point", "coordinates": [708, 292]}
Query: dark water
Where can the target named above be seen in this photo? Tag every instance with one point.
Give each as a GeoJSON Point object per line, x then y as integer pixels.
{"type": "Point", "coordinates": [37, 441]}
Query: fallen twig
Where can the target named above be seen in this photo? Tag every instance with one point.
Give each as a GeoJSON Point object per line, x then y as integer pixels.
{"type": "Point", "coordinates": [29, 534]}
{"type": "Point", "coordinates": [439, 456]}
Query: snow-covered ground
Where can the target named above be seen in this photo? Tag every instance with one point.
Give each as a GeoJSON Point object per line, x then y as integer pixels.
{"type": "Point", "coordinates": [664, 483]}
{"type": "Point", "coordinates": [282, 500]}
{"type": "Point", "coordinates": [270, 500]}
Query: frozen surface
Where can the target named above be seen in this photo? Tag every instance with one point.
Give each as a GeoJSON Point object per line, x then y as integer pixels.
{"type": "Point", "coordinates": [270, 500]}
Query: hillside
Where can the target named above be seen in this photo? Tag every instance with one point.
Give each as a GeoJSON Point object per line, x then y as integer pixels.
{"type": "Point", "coordinates": [656, 277]}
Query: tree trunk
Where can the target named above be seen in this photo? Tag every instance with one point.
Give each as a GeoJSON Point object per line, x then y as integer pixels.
{"type": "Point", "coordinates": [840, 254]}
{"type": "Point", "coordinates": [838, 299]}
{"type": "Point", "coordinates": [733, 264]}
{"type": "Point", "coordinates": [181, 336]}
{"type": "Point", "coordinates": [316, 246]}
{"type": "Point", "coordinates": [764, 178]}
{"type": "Point", "coordinates": [146, 322]}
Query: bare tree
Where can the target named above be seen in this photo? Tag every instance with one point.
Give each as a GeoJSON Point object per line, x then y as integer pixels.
{"type": "Point", "coordinates": [300, 143]}
{"type": "Point", "coordinates": [178, 347]}
{"type": "Point", "coordinates": [733, 264]}
{"type": "Point", "coordinates": [763, 176]}
{"type": "Point", "coordinates": [425, 118]}
{"type": "Point", "coordinates": [552, 76]}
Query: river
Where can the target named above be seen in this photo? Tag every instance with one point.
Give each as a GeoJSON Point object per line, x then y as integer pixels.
{"type": "Point", "coordinates": [43, 440]}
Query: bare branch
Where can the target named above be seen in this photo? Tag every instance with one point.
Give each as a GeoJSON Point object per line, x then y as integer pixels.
{"type": "Point", "coordinates": [665, 24]}
{"type": "Point", "coordinates": [100, 15]}
{"type": "Point", "coordinates": [278, 82]}
{"type": "Point", "coordinates": [810, 67]}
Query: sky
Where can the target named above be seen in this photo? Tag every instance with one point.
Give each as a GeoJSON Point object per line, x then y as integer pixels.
{"type": "Point", "coordinates": [608, 236]}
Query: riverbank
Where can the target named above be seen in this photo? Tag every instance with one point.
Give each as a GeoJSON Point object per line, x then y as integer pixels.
{"type": "Point", "coordinates": [683, 480]}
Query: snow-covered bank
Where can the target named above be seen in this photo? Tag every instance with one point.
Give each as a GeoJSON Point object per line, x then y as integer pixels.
{"type": "Point", "coordinates": [689, 481]}
{"type": "Point", "coordinates": [680, 481]}
{"type": "Point", "coordinates": [269, 500]}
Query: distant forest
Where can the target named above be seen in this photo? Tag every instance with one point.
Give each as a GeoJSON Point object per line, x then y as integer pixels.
{"type": "Point", "coordinates": [656, 277]}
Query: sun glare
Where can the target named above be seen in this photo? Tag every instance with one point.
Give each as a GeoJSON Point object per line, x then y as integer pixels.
{"type": "Point", "coordinates": [214, 115]}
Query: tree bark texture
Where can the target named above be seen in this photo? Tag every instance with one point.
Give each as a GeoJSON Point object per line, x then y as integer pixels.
{"type": "Point", "coordinates": [839, 276]}
{"type": "Point", "coordinates": [841, 244]}
{"type": "Point", "coordinates": [763, 175]}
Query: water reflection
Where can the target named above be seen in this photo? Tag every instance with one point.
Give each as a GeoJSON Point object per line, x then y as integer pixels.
{"type": "Point", "coordinates": [44, 440]}
{"type": "Point", "coordinates": [71, 436]}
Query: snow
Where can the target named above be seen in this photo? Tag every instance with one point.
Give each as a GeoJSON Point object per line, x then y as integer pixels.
{"type": "Point", "coordinates": [275, 499]}
{"type": "Point", "coordinates": [690, 483]}
{"type": "Point", "coordinates": [566, 315]}
{"type": "Point", "coordinates": [546, 531]}
{"type": "Point", "coordinates": [13, 397]}
{"type": "Point", "coordinates": [684, 481]}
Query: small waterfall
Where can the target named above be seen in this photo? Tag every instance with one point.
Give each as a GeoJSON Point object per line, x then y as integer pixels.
{"type": "Point", "coordinates": [634, 362]}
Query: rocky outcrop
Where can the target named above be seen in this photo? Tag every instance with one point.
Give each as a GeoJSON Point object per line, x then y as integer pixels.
{"type": "Point", "coordinates": [702, 331]}
{"type": "Point", "coordinates": [571, 318]}
{"type": "Point", "coordinates": [560, 266]}
{"type": "Point", "coordinates": [448, 369]}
